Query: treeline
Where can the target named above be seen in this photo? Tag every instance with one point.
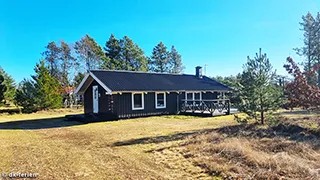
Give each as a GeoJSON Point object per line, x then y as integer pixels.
{"type": "Point", "coordinates": [67, 61]}
{"type": "Point", "coordinates": [63, 65]}
{"type": "Point", "coordinates": [259, 90]}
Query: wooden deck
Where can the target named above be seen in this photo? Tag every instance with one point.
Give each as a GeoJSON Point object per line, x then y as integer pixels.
{"type": "Point", "coordinates": [208, 114]}
{"type": "Point", "coordinates": [212, 107]}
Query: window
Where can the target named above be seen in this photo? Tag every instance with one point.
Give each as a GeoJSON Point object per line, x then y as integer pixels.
{"type": "Point", "coordinates": [193, 96]}
{"type": "Point", "coordinates": [137, 101]}
{"type": "Point", "coordinates": [160, 100]}
{"type": "Point", "coordinates": [197, 96]}
{"type": "Point", "coordinates": [189, 96]}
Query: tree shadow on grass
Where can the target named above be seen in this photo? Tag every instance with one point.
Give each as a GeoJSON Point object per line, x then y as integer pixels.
{"type": "Point", "coordinates": [157, 139]}
{"type": "Point", "coordinates": [36, 124]}
{"type": "Point", "coordinates": [289, 131]}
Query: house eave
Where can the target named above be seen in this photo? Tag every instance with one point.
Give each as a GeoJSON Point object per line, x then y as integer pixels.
{"type": "Point", "coordinates": [168, 91]}
{"type": "Point", "coordinates": [85, 79]}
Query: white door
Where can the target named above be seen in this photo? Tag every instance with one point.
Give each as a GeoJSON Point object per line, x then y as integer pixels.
{"type": "Point", "coordinates": [95, 99]}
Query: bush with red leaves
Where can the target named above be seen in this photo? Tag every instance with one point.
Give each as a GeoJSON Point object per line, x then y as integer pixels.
{"type": "Point", "coordinates": [300, 93]}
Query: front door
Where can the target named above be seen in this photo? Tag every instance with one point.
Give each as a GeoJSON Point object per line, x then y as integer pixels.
{"type": "Point", "coordinates": [95, 99]}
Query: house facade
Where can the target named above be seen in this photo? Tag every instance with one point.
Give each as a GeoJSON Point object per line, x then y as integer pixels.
{"type": "Point", "coordinates": [125, 94]}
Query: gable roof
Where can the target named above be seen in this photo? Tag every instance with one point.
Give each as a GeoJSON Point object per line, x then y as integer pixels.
{"type": "Point", "coordinates": [131, 81]}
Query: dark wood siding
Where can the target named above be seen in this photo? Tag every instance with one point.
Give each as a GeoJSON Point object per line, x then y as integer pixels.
{"type": "Point", "coordinates": [123, 105]}
{"type": "Point", "coordinates": [105, 105]}
{"type": "Point", "coordinates": [88, 100]}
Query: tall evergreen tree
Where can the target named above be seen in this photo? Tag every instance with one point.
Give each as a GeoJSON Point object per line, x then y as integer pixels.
{"type": "Point", "coordinates": [131, 56]}
{"type": "Point", "coordinates": [26, 96]}
{"type": "Point", "coordinates": [175, 61]}
{"type": "Point", "coordinates": [316, 46]}
{"type": "Point", "coordinates": [2, 89]}
{"type": "Point", "coordinates": [67, 62]}
{"type": "Point", "coordinates": [51, 56]}
{"type": "Point", "coordinates": [9, 82]}
{"type": "Point", "coordinates": [90, 53]}
{"type": "Point", "coordinates": [48, 89]}
{"type": "Point", "coordinates": [232, 82]}
{"type": "Point", "coordinates": [308, 50]}
{"type": "Point", "coordinates": [77, 79]}
{"type": "Point", "coordinates": [68, 65]}
{"type": "Point", "coordinates": [112, 49]}
{"type": "Point", "coordinates": [141, 61]}
{"type": "Point", "coordinates": [159, 61]}
{"type": "Point", "coordinates": [258, 90]}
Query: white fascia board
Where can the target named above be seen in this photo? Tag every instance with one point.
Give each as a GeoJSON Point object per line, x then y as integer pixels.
{"type": "Point", "coordinates": [82, 83]}
{"type": "Point", "coordinates": [108, 90]}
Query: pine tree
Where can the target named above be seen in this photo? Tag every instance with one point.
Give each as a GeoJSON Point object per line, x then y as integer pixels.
{"type": "Point", "coordinates": [112, 49]}
{"type": "Point", "coordinates": [258, 90]}
{"type": "Point", "coordinates": [308, 50]}
{"type": "Point", "coordinates": [233, 83]}
{"type": "Point", "coordinates": [77, 79]}
{"type": "Point", "coordinates": [67, 62]}
{"type": "Point", "coordinates": [26, 96]}
{"type": "Point", "coordinates": [316, 46]}
{"type": "Point", "coordinates": [48, 89]}
{"type": "Point", "coordinates": [2, 89]}
{"type": "Point", "coordinates": [51, 56]}
{"type": "Point", "coordinates": [131, 56]}
{"type": "Point", "coordinates": [140, 61]}
{"type": "Point", "coordinates": [175, 61]}
{"type": "Point", "coordinates": [159, 61]}
{"type": "Point", "coordinates": [90, 53]}
{"type": "Point", "coordinates": [9, 82]}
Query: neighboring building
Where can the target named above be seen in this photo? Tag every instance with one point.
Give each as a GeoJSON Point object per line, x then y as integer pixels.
{"type": "Point", "coordinates": [75, 98]}
{"type": "Point", "coordinates": [68, 90]}
{"type": "Point", "coordinates": [125, 94]}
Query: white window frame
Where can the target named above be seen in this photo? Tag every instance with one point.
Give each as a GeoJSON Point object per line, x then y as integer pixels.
{"type": "Point", "coordinates": [193, 95]}
{"type": "Point", "coordinates": [164, 99]}
{"type": "Point", "coordinates": [142, 98]}
{"type": "Point", "coordinates": [200, 95]}
{"type": "Point", "coordinates": [186, 96]}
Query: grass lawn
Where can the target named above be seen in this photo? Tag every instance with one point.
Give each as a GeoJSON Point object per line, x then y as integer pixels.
{"type": "Point", "coordinates": [46, 144]}
{"type": "Point", "coordinates": [166, 147]}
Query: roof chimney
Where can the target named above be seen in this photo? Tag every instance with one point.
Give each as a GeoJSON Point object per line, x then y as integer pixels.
{"type": "Point", "coordinates": [199, 71]}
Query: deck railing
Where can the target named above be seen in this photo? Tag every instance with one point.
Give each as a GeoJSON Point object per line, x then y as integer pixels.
{"type": "Point", "coordinates": [205, 106]}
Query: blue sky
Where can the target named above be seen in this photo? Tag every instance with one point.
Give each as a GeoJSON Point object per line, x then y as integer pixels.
{"type": "Point", "coordinates": [220, 33]}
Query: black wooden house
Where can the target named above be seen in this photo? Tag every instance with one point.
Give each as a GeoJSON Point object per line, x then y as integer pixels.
{"type": "Point", "coordinates": [125, 94]}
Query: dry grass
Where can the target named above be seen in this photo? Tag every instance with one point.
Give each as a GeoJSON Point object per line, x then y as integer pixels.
{"type": "Point", "coordinates": [38, 115]}
{"type": "Point", "coordinates": [166, 147]}
{"type": "Point", "coordinates": [56, 149]}
{"type": "Point", "coordinates": [286, 150]}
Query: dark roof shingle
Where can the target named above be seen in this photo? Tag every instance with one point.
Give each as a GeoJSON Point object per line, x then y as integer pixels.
{"type": "Point", "coordinates": [144, 81]}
